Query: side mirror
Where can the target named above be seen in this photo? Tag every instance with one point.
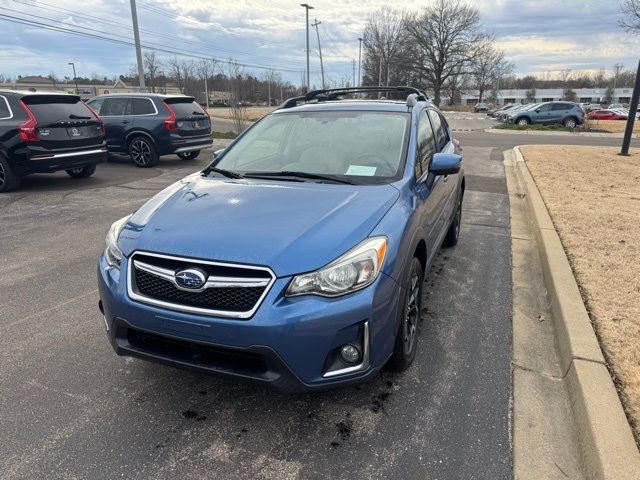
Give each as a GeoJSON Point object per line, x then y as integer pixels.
{"type": "Point", "coordinates": [538, 110]}
{"type": "Point", "coordinates": [445, 164]}
{"type": "Point", "coordinates": [217, 153]}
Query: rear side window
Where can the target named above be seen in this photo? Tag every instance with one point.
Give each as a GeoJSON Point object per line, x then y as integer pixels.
{"type": "Point", "coordinates": [113, 107]}
{"type": "Point", "coordinates": [51, 109]}
{"type": "Point", "coordinates": [442, 137]}
{"type": "Point", "coordinates": [561, 106]}
{"type": "Point", "coordinates": [5, 111]}
{"type": "Point", "coordinates": [426, 145]}
{"type": "Point", "coordinates": [186, 107]}
{"type": "Point", "coordinates": [143, 106]}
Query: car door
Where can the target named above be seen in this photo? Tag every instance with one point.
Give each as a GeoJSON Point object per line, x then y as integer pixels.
{"type": "Point", "coordinates": [430, 191]}
{"type": "Point", "coordinates": [444, 145]}
{"type": "Point", "coordinates": [542, 114]}
{"type": "Point", "coordinates": [117, 115]}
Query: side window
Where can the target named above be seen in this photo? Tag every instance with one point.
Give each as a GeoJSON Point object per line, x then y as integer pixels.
{"type": "Point", "coordinates": [142, 106]}
{"type": "Point", "coordinates": [439, 127]}
{"type": "Point", "coordinates": [96, 105]}
{"type": "Point", "coordinates": [561, 106]}
{"type": "Point", "coordinates": [426, 144]}
{"type": "Point", "coordinates": [5, 111]}
{"type": "Point", "coordinates": [116, 107]}
{"type": "Point", "coordinates": [546, 108]}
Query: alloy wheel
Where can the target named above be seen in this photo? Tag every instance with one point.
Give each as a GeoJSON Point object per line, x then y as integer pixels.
{"type": "Point", "coordinates": [75, 171]}
{"type": "Point", "coordinates": [412, 315]}
{"type": "Point", "coordinates": [3, 175]}
{"type": "Point", "coordinates": [140, 152]}
{"type": "Point", "coordinates": [458, 218]}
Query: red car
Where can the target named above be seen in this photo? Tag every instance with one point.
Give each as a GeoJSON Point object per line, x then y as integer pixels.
{"type": "Point", "coordinates": [606, 115]}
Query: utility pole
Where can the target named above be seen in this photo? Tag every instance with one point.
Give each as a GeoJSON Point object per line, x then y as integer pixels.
{"type": "Point", "coordinates": [307, 7]}
{"type": "Point", "coordinates": [75, 78]}
{"type": "Point", "coordinates": [319, 50]}
{"type": "Point", "coordinates": [359, 62]}
{"type": "Point", "coordinates": [206, 89]}
{"type": "Point", "coordinates": [617, 68]}
{"type": "Point", "coordinates": [633, 109]}
{"type": "Point", "coordinates": [136, 37]}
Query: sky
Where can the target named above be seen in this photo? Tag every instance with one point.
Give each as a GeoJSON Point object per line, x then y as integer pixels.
{"type": "Point", "coordinates": [538, 36]}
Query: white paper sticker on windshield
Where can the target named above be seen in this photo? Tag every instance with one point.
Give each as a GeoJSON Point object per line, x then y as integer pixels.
{"type": "Point", "coordinates": [361, 170]}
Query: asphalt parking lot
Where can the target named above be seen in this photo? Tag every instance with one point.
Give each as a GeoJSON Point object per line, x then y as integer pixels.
{"type": "Point", "coordinates": [70, 408]}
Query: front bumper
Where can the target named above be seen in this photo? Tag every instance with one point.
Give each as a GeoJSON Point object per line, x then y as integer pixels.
{"type": "Point", "coordinates": [289, 343]}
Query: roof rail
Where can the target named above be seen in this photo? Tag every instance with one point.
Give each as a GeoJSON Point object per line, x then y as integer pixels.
{"type": "Point", "coordinates": [332, 93]}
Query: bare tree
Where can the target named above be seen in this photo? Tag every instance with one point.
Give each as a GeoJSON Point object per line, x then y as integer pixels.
{"type": "Point", "coordinates": [152, 65]}
{"type": "Point", "coordinates": [488, 67]}
{"type": "Point", "coordinates": [237, 103]}
{"type": "Point", "coordinates": [631, 20]}
{"type": "Point", "coordinates": [450, 35]}
{"type": "Point", "coordinates": [175, 70]}
{"type": "Point", "coordinates": [384, 38]}
{"type": "Point", "coordinates": [206, 68]}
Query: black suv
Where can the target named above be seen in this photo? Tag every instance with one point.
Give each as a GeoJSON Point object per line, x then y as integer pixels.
{"type": "Point", "coordinates": [47, 132]}
{"type": "Point", "coordinates": [145, 126]}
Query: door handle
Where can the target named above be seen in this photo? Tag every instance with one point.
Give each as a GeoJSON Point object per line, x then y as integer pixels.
{"type": "Point", "coordinates": [125, 121]}
{"type": "Point", "coordinates": [446, 178]}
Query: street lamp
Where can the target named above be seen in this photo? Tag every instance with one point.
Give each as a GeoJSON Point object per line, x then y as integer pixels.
{"type": "Point", "coordinates": [359, 62]}
{"type": "Point", "coordinates": [307, 7]}
{"type": "Point", "coordinates": [75, 78]}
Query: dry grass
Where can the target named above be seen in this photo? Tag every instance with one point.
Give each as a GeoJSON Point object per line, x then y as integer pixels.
{"type": "Point", "coordinates": [593, 196]}
{"type": "Point", "coordinates": [614, 126]}
{"type": "Point", "coordinates": [253, 113]}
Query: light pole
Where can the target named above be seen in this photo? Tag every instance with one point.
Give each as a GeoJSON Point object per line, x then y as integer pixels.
{"type": "Point", "coordinates": [75, 78]}
{"type": "Point", "coordinates": [136, 37]}
{"type": "Point", "coordinates": [307, 7]}
{"type": "Point", "coordinates": [319, 50]}
{"type": "Point", "coordinates": [359, 62]}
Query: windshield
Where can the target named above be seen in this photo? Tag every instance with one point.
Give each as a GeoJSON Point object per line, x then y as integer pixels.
{"type": "Point", "coordinates": [359, 146]}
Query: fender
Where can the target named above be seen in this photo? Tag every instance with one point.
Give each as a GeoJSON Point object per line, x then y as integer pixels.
{"type": "Point", "coordinates": [136, 133]}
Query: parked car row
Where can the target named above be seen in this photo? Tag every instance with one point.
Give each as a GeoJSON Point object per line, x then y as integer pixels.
{"type": "Point", "coordinates": [568, 114]}
{"type": "Point", "coordinates": [610, 114]}
{"type": "Point", "coordinates": [42, 132]}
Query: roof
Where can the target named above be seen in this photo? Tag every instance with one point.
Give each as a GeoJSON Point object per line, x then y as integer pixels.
{"type": "Point", "coordinates": [136, 94]}
{"type": "Point", "coordinates": [39, 92]}
{"type": "Point", "coordinates": [370, 105]}
{"type": "Point", "coordinates": [36, 79]}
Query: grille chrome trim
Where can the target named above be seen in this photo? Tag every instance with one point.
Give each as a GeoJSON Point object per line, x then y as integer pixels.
{"type": "Point", "coordinates": [212, 282]}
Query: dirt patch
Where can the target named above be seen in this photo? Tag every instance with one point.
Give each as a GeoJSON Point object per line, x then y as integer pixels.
{"type": "Point", "coordinates": [614, 126]}
{"type": "Point", "coordinates": [253, 113]}
{"type": "Point", "coordinates": [593, 197]}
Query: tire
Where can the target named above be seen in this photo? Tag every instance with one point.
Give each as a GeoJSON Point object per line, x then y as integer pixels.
{"type": "Point", "coordinates": [8, 180]}
{"type": "Point", "coordinates": [82, 172]}
{"type": "Point", "coordinates": [570, 122]}
{"type": "Point", "coordinates": [409, 311]}
{"type": "Point", "coordinates": [142, 152]}
{"type": "Point", "coordinates": [523, 122]}
{"type": "Point", "coordinates": [189, 155]}
{"type": "Point", "coordinates": [451, 238]}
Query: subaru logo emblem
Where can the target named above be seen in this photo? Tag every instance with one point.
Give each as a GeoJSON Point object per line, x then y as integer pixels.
{"type": "Point", "coordinates": [191, 278]}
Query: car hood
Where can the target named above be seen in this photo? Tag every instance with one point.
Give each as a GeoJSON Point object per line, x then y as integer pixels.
{"type": "Point", "coordinates": [291, 227]}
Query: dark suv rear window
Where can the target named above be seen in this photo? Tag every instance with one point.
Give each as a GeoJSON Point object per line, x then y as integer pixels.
{"type": "Point", "coordinates": [185, 107]}
{"type": "Point", "coordinates": [51, 109]}
{"type": "Point", "coordinates": [4, 108]}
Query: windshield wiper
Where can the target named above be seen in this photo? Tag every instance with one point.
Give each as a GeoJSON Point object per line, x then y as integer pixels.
{"type": "Point", "coordinates": [221, 171]}
{"type": "Point", "coordinates": [73, 116]}
{"type": "Point", "coordinates": [286, 173]}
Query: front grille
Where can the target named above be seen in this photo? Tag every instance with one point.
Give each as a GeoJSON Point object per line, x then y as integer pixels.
{"type": "Point", "coordinates": [237, 301]}
{"type": "Point", "coordinates": [219, 358]}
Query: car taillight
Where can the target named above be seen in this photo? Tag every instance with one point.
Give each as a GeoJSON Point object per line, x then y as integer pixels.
{"type": "Point", "coordinates": [95, 114]}
{"type": "Point", "coordinates": [170, 121]}
{"type": "Point", "coordinates": [27, 130]}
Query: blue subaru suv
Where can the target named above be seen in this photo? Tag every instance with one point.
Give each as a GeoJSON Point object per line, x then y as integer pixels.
{"type": "Point", "coordinates": [297, 258]}
{"type": "Point", "coordinates": [146, 126]}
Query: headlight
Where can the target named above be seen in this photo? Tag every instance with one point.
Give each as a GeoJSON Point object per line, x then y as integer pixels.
{"type": "Point", "coordinates": [354, 270]}
{"type": "Point", "coordinates": [113, 253]}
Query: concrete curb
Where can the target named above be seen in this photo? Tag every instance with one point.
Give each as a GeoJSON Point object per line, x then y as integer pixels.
{"type": "Point", "coordinates": [564, 134]}
{"type": "Point", "coordinates": [607, 445]}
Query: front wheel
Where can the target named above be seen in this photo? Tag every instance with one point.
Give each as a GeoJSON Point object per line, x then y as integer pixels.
{"type": "Point", "coordinates": [142, 152]}
{"type": "Point", "coordinates": [189, 155]}
{"type": "Point", "coordinates": [8, 180]}
{"type": "Point", "coordinates": [523, 122]}
{"type": "Point", "coordinates": [570, 122]}
{"type": "Point", "coordinates": [81, 172]}
{"type": "Point", "coordinates": [409, 310]}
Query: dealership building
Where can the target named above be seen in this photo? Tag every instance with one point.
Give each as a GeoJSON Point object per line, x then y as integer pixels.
{"type": "Point", "coordinates": [583, 95]}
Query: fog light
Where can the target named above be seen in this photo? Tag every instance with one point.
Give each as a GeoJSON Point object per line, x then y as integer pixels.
{"type": "Point", "coordinates": [349, 353]}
